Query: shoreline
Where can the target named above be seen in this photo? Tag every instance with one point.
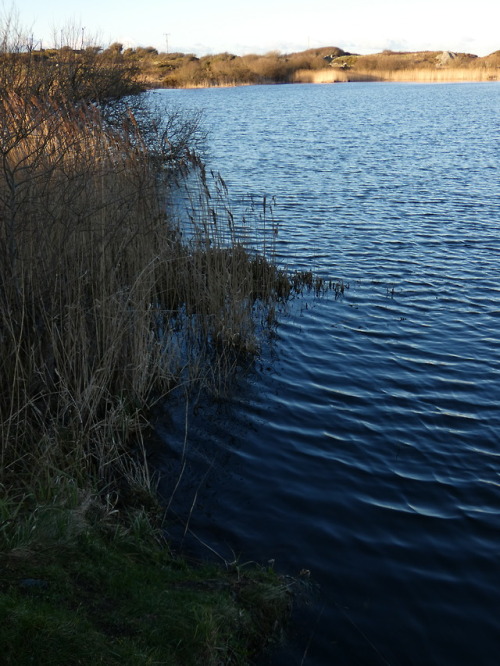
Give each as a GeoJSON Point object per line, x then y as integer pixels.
{"type": "Point", "coordinates": [327, 64]}
{"type": "Point", "coordinates": [104, 309]}
{"type": "Point", "coordinates": [80, 525]}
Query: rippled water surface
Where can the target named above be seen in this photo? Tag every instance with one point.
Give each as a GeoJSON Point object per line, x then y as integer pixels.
{"type": "Point", "coordinates": [366, 444]}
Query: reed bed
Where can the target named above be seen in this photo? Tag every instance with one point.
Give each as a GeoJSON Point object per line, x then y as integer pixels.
{"type": "Point", "coordinates": [123, 278]}
{"type": "Point", "coordinates": [107, 300]}
{"type": "Point", "coordinates": [329, 75]}
{"type": "Point", "coordinates": [423, 75]}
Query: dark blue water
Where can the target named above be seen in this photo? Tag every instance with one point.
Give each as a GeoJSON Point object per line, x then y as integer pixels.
{"type": "Point", "coordinates": [365, 445]}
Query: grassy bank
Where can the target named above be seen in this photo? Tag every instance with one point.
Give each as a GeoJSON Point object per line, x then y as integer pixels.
{"type": "Point", "coordinates": [108, 302]}
{"type": "Point", "coordinates": [88, 591]}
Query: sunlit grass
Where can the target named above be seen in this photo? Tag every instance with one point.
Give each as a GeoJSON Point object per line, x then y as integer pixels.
{"type": "Point", "coordinates": [108, 597]}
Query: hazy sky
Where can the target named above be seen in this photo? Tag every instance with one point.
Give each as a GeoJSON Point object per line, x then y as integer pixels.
{"type": "Point", "coordinates": [257, 26]}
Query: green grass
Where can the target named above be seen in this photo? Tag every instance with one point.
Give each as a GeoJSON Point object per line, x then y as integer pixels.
{"type": "Point", "coordinates": [111, 599]}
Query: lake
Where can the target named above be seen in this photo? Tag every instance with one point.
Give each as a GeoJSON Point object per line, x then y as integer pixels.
{"type": "Point", "coordinates": [365, 444]}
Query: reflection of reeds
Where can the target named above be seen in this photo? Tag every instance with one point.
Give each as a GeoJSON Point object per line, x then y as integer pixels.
{"type": "Point", "coordinates": [103, 305]}
{"type": "Point", "coordinates": [424, 75]}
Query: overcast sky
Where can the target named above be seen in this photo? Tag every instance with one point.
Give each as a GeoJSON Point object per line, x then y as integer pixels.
{"type": "Point", "coordinates": [258, 26]}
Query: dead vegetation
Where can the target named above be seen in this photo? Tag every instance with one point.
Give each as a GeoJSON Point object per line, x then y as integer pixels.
{"type": "Point", "coordinates": [422, 66]}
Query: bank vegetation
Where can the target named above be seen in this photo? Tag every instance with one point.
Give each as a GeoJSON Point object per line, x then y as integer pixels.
{"type": "Point", "coordinates": [146, 67]}
{"type": "Point", "coordinates": [109, 302]}
{"type": "Point", "coordinates": [327, 64]}
{"type": "Point", "coordinates": [417, 67]}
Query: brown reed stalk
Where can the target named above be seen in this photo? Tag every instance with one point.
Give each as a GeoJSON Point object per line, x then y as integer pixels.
{"type": "Point", "coordinates": [106, 301]}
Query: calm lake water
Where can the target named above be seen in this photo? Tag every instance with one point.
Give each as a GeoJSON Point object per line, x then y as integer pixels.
{"type": "Point", "coordinates": [365, 445]}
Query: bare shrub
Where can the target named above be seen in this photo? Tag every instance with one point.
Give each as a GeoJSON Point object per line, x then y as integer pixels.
{"type": "Point", "coordinates": [73, 70]}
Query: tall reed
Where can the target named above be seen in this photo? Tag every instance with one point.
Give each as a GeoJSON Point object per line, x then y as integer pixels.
{"type": "Point", "coordinates": [106, 300]}
{"type": "Point", "coordinates": [417, 75]}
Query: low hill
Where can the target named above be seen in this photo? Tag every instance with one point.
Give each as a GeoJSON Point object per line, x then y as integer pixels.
{"type": "Point", "coordinates": [325, 64]}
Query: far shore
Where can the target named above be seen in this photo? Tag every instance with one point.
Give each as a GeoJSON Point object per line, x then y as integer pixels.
{"type": "Point", "coordinates": [322, 77]}
{"type": "Point", "coordinates": [327, 64]}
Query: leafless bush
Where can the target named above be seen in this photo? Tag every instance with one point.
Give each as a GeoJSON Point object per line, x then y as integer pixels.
{"type": "Point", "coordinates": [73, 70]}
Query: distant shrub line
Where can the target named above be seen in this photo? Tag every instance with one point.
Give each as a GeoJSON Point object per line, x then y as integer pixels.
{"type": "Point", "coordinates": [177, 70]}
{"type": "Point", "coordinates": [104, 73]}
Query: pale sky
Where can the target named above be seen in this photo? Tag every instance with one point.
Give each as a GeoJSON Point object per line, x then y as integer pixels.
{"type": "Point", "coordinates": [258, 26]}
